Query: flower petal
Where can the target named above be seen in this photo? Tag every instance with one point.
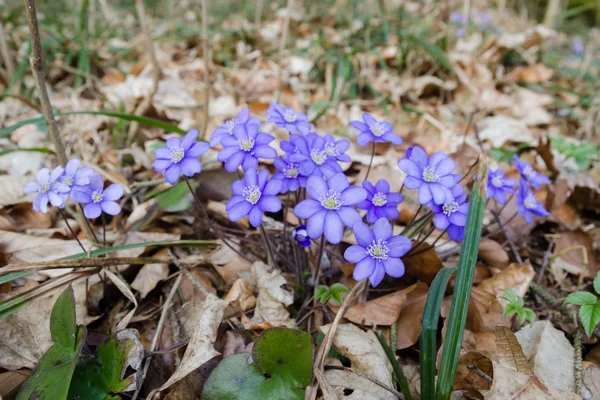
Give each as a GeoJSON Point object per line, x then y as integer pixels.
{"type": "Point", "coordinates": [445, 167]}
{"type": "Point", "coordinates": [338, 182]}
{"type": "Point", "coordinates": [239, 211]}
{"type": "Point", "coordinates": [197, 149]}
{"type": "Point", "coordinates": [349, 216]}
{"type": "Point", "coordinates": [234, 161]}
{"type": "Point", "coordinates": [424, 194]}
{"type": "Point", "coordinates": [32, 187]}
{"type": "Point", "coordinates": [172, 174]}
{"type": "Point", "coordinates": [394, 267]}
{"type": "Point", "coordinates": [364, 235]}
{"type": "Point", "coordinates": [305, 209]}
{"type": "Point", "coordinates": [92, 210]}
{"type": "Point", "coordinates": [190, 166]}
{"type": "Point", "coordinates": [272, 187]}
{"type": "Point", "coordinates": [255, 217]}
{"type": "Point", "coordinates": [353, 195]}
{"type": "Point", "coordinates": [364, 269]}
{"type": "Point", "coordinates": [382, 186]}
{"type": "Point", "coordinates": [113, 192]}
{"type": "Point", "coordinates": [458, 219]}
{"type": "Point", "coordinates": [419, 156]}
{"type": "Point", "coordinates": [269, 203]}
{"type": "Point", "coordinates": [110, 207]}
{"type": "Point", "coordinates": [55, 199]}
{"type": "Point", "coordinates": [71, 167]}
{"type": "Point", "coordinates": [382, 229]}
{"type": "Point", "coordinates": [160, 165]}
{"type": "Point", "coordinates": [441, 221]}
{"type": "Point", "coordinates": [173, 141]}
{"type": "Point", "coordinates": [189, 139]}
{"type": "Point", "coordinates": [315, 224]}
{"type": "Point", "coordinates": [364, 138]}
{"type": "Point", "coordinates": [334, 227]}
{"type": "Point", "coordinates": [80, 196]}
{"type": "Point", "coordinates": [43, 175]}
{"type": "Point", "coordinates": [398, 246]}
{"type": "Point", "coordinates": [315, 186]}
{"type": "Point", "coordinates": [377, 275]}
{"type": "Point", "coordinates": [410, 168]}
{"type": "Point", "coordinates": [355, 253]}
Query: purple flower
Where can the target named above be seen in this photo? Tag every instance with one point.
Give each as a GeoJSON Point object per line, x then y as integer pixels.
{"type": "Point", "coordinates": [48, 189]}
{"type": "Point", "coordinates": [245, 147]}
{"type": "Point", "coordinates": [289, 174]}
{"type": "Point", "coordinates": [432, 176]}
{"type": "Point", "coordinates": [498, 186]}
{"type": "Point", "coordinates": [372, 130]}
{"type": "Point", "coordinates": [288, 119]}
{"type": "Point", "coordinates": [180, 156]}
{"type": "Point", "coordinates": [380, 203]}
{"type": "Point", "coordinates": [484, 20]}
{"type": "Point", "coordinates": [73, 178]}
{"type": "Point", "coordinates": [458, 18]}
{"type": "Point", "coordinates": [527, 172]}
{"type": "Point", "coordinates": [300, 236]}
{"type": "Point", "coordinates": [578, 46]}
{"type": "Point", "coordinates": [96, 199]}
{"type": "Point", "coordinates": [329, 207]}
{"type": "Point", "coordinates": [377, 252]}
{"type": "Point", "coordinates": [252, 196]}
{"type": "Point", "coordinates": [452, 215]}
{"type": "Point", "coordinates": [310, 152]}
{"type": "Point", "coordinates": [226, 129]}
{"type": "Point", "coordinates": [528, 204]}
{"type": "Point", "coordinates": [336, 149]}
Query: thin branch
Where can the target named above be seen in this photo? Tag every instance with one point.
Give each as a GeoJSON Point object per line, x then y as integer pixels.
{"type": "Point", "coordinates": [206, 55]}
{"type": "Point", "coordinates": [284, 34]}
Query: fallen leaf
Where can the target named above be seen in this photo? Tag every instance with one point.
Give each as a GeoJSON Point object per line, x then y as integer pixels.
{"type": "Point", "coordinates": [150, 275]}
{"type": "Point", "coordinates": [200, 348]}
{"type": "Point", "coordinates": [229, 264]}
{"type": "Point", "coordinates": [10, 381]}
{"type": "Point", "coordinates": [409, 322]}
{"type": "Point", "coordinates": [510, 352]}
{"type": "Point", "coordinates": [537, 73]}
{"type": "Point", "coordinates": [591, 383]}
{"type": "Point", "coordinates": [142, 237]}
{"type": "Point", "coordinates": [493, 254]}
{"type": "Point", "coordinates": [423, 264]}
{"type": "Point", "coordinates": [272, 298]}
{"type": "Point", "coordinates": [516, 277]}
{"type": "Point", "coordinates": [500, 129]}
{"type": "Point", "coordinates": [12, 190]}
{"type": "Point", "coordinates": [241, 295]}
{"type": "Point", "coordinates": [569, 257]}
{"type": "Point", "coordinates": [383, 310]}
{"type": "Point", "coordinates": [123, 288]}
{"type": "Point", "coordinates": [467, 378]}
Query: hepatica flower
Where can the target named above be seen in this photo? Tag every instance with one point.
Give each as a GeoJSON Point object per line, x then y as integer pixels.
{"type": "Point", "coordinates": [252, 196]}
{"type": "Point", "coordinates": [48, 189]}
{"type": "Point", "coordinates": [498, 186]}
{"type": "Point", "coordinates": [288, 119]}
{"type": "Point", "coordinates": [372, 130]}
{"type": "Point", "coordinates": [96, 199]}
{"type": "Point", "coordinates": [180, 156]}
{"type": "Point", "coordinates": [245, 147]}
{"type": "Point", "coordinates": [380, 203]}
{"type": "Point", "coordinates": [377, 252]}
{"type": "Point", "coordinates": [578, 46]}
{"type": "Point", "coordinates": [289, 175]}
{"type": "Point", "coordinates": [330, 206]}
{"type": "Point", "coordinates": [336, 149]}
{"type": "Point", "coordinates": [528, 204]}
{"type": "Point", "coordinates": [300, 236]}
{"type": "Point", "coordinates": [432, 176]}
{"type": "Point", "coordinates": [311, 154]}
{"type": "Point", "coordinates": [73, 178]}
{"type": "Point", "coordinates": [226, 129]}
{"type": "Point", "coordinates": [452, 215]}
{"type": "Point", "coordinates": [527, 172]}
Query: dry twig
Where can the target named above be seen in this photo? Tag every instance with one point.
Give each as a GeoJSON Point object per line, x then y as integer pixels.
{"type": "Point", "coordinates": [206, 55]}
{"type": "Point", "coordinates": [284, 33]}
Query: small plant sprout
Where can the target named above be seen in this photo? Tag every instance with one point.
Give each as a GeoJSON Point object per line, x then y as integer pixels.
{"type": "Point", "coordinates": [589, 306]}
{"type": "Point", "coordinates": [516, 305]}
{"type": "Point", "coordinates": [324, 293]}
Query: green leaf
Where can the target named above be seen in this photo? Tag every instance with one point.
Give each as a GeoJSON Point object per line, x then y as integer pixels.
{"type": "Point", "coordinates": [430, 322]}
{"type": "Point", "coordinates": [530, 315]}
{"type": "Point", "coordinates": [28, 149]}
{"type": "Point", "coordinates": [462, 290]}
{"type": "Point", "coordinates": [590, 317]}
{"type": "Point", "coordinates": [174, 199]}
{"type": "Point", "coordinates": [434, 50]}
{"type": "Point", "coordinates": [336, 291]}
{"type": "Point", "coordinates": [281, 368]}
{"type": "Point", "coordinates": [510, 309]}
{"type": "Point", "coordinates": [597, 283]}
{"type": "Point", "coordinates": [581, 298]}
{"type": "Point", "coordinates": [52, 376]}
{"type": "Point", "coordinates": [322, 293]}
{"type": "Point", "coordinates": [99, 378]}
{"type": "Point", "coordinates": [399, 375]}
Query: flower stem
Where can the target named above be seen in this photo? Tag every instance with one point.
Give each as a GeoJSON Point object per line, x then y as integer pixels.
{"type": "Point", "coordinates": [370, 161]}
{"type": "Point", "coordinates": [285, 221]}
{"type": "Point", "coordinates": [319, 261]}
{"type": "Point", "coordinates": [103, 230]}
{"type": "Point", "coordinates": [413, 219]}
{"type": "Point", "coordinates": [71, 229]}
{"type": "Point", "coordinates": [87, 222]}
{"type": "Point", "coordinates": [268, 244]}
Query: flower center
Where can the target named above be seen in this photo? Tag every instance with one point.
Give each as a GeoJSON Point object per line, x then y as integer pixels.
{"type": "Point", "coordinates": [331, 150]}
{"type": "Point", "coordinates": [380, 199]}
{"type": "Point", "coordinates": [176, 154]}
{"type": "Point", "coordinates": [44, 187]}
{"type": "Point", "coordinates": [330, 200]}
{"type": "Point", "coordinates": [246, 144]}
{"type": "Point", "coordinates": [318, 156]}
{"type": "Point", "coordinates": [377, 129]}
{"type": "Point", "coordinates": [67, 180]}
{"type": "Point", "coordinates": [497, 181]}
{"type": "Point", "coordinates": [529, 172]}
{"type": "Point", "coordinates": [530, 201]}
{"type": "Point", "coordinates": [429, 174]}
{"type": "Point", "coordinates": [252, 194]}
{"type": "Point", "coordinates": [229, 126]}
{"type": "Point", "coordinates": [378, 250]}
{"type": "Point", "coordinates": [97, 196]}
{"type": "Point", "coordinates": [289, 115]}
{"type": "Point", "coordinates": [450, 208]}
{"type": "Point", "coordinates": [291, 171]}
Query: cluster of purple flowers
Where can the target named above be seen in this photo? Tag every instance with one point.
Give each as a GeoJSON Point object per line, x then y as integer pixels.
{"type": "Point", "coordinates": [82, 184]}
{"type": "Point", "coordinates": [481, 20]}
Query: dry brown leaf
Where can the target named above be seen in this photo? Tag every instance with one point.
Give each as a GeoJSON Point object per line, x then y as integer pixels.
{"type": "Point", "coordinates": [23, 217]}
{"type": "Point", "coordinates": [493, 254]}
{"type": "Point", "coordinates": [148, 277]}
{"type": "Point", "coordinates": [200, 348]}
{"type": "Point", "coordinates": [384, 310]}
{"type": "Point", "coordinates": [10, 381]}
{"type": "Point", "coordinates": [272, 298]}
{"type": "Point", "coordinates": [510, 352]}
{"type": "Point", "coordinates": [591, 383]}
{"type": "Point", "coordinates": [409, 322]}
{"type": "Point", "coordinates": [485, 311]}
{"type": "Point", "coordinates": [467, 378]}
{"type": "Point", "coordinates": [500, 129]}
{"type": "Point", "coordinates": [366, 355]}
{"type": "Point", "coordinates": [125, 289]}
{"type": "Point", "coordinates": [230, 265]}
{"type": "Point", "coordinates": [241, 295]}
{"type": "Point", "coordinates": [423, 265]}
{"type": "Point", "coordinates": [572, 244]}
{"type": "Point", "coordinates": [12, 190]}
{"type": "Point", "coordinates": [593, 355]}
{"type": "Point", "coordinates": [516, 277]}
{"type": "Point", "coordinates": [536, 73]}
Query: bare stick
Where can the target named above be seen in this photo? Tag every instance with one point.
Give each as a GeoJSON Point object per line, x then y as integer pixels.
{"type": "Point", "coordinates": [284, 33]}
{"type": "Point", "coordinates": [161, 322]}
{"type": "Point", "coordinates": [8, 61]}
{"type": "Point", "coordinates": [206, 55]}
{"type": "Point", "coordinates": [37, 68]}
{"type": "Point", "coordinates": [147, 101]}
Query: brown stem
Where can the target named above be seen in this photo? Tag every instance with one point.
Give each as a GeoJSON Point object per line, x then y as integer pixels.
{"type": "Point", "coordinates": [205, 51]}
{"type": "Point", "coordinates": [71, 230]}
{"type": "Point", "coordinates": [268, 244]}
{"type": "Point", "coordinates": [370, 161]}
{"type": "Point", "coordinates": [284, 34]}
{"type": "Point", "coordinates": [4, 51]}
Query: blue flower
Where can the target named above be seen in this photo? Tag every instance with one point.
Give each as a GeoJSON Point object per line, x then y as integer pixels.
{"type": "Point", "coordinates": [378, 252]}
{"type": "Point", "coordinates": [329, 207]}
{"type": "Point", "coordinates": [527, 172]}
{"type": "Point", "coordinates": [432, 176]}
{"type": "Point", "coordinates": [96, 199]}
{"type": "Point", "coordinates": [289, 174]}
{"type": "Point", "coordinates": [73, 178]}
{"type": "Point", "coordinates": [48, 189]}
{"type": "Point", "coordinates": [245, 147]}
{"type": "Point", "coordinates": [380, 202]}
{"type": "Point", "coordinates": [310, 153]}
{"type": "Point", "coordinates": [528, 204]}
{"type": "Point", "coordinates": [372, 130]}
{"type": "Point", "coordinates": [578, 46]}
{"type": "Point", "coordinates": [226, 129]}
{"type": "Point", "coordinates": [458, 18]}
{"type": "Point", "coordinates": [288, 119]}
{"type": "Point", "coordinates": [252, 196]}
{"type": "Point", "coordinates": [452, 215]}
{"type": "Point", "coordinates": [300, 236]}
{"type": "Point", "coordinates": [336, 149]}
{"type": "Point", "coordinates": [498, 186]}
{"type": "Point", "coordinates": [180, 156]}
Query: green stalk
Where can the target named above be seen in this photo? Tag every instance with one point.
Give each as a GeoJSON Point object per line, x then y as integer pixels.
{"type": "Point", "coordinates": [400, 377]}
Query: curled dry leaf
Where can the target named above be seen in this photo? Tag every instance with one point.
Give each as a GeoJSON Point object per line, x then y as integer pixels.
{"type": "Point", "coordinates": [149, 276]}
{"type": "Point", "coordinates": [516, 277]}
{"type": "Point", "coordinates": [366, 355]}
{"type": "Point", "coordinates": [229, 264]}
{"type": "Point", "coordinates": [272, 298]}
{"type": "Point", "coordinates": [493, 254]}
{"type": "Point", "coordinates": [423, 264]}
{"type": "Point", "coordinates": [569, 255]}
{"type": "Point", "coordinates": [200, 348]}
{"type": "Point", "coordinates": [409, 322]}
{"type": "Point", "coordinates": [467, 378]}
{"type": "Point", "coordinates": [536, 73]}
{"type": "Point", "coordinates": [241, 296]}
{"type": "Point", "coordinates": [384, 310]}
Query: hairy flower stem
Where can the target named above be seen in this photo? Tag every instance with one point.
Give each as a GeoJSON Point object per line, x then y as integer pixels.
{"type": "Point", "coordinates": [215, 230]}
{"type": "Point", "coordinates": [103, 230]}
{"type": "Point", "coordinates": [271, 259]}
{"type": "Point", "coordinates": [285, 222]}
{"type": "Point", "coordinates": [513, 248]}
{"type": "Point", "coordinates": [412, 220]}
{"type": "Point", "coordinates": [371, 161]}
{"type": "Point", "coordinates": [89, 225]}
{"type": "Point", "coordinates": [317, 270]}
{"type": "Point", "coordinates": [71, 230]}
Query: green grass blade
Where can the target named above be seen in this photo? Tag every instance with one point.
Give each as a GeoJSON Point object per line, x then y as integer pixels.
{"type": "Point", "coordinates": [430, 321]}
{"type": "Point", "coordinates": [155, 123]}
{"type": "Point", "coordinates": [396, 367]}
{"type": "Point", "coordinates": [434, 50]}
{"type": "Point", "coordinates": [462, 290]}
{"type": "Point", "coordinates": [12, 276]}
{"type": "Point", "coordinates": [28, 149]}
